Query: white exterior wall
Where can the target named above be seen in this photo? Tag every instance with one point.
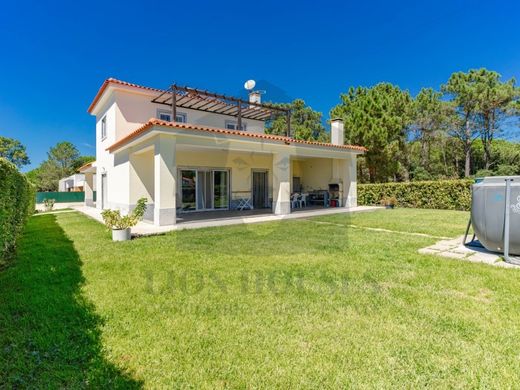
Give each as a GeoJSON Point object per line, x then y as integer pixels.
{"type": "Point", "coordinates": [105, 160]}
{"type": "Point", "coordinates": [134, 109]}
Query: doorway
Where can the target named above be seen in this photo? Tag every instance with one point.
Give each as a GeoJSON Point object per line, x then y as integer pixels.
{"type": "Point", "coordinates": [260, 189]}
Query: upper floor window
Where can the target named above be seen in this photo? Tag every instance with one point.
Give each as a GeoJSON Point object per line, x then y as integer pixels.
{"type": "Point", "coordinates": [103, 128]}
{"type": "Point", "coordinates": [232, 125]}
{"type": "Point", "coordinates": [167, 116]}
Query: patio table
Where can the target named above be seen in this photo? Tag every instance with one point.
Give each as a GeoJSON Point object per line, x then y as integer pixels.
{"type": "Point", "coordinates": [244, 200]}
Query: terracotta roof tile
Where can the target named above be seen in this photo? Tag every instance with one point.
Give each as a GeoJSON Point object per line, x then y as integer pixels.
{"type": "Point", "coordinates": [111, 80]}
{"type": "Point", "coordinates": [186, 126]}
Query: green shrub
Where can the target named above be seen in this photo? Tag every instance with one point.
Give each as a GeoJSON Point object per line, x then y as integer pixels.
{"type": "Point", "coordinates": [506, 170]}
{"type": "Point", "coordinates": [17, 199]}
{"type": "Point", "coordinates": [484, 173]}
{"type": "Point", "coordinates": [441, 194]}
{"type": "Point", "coordinates": [114, 220]}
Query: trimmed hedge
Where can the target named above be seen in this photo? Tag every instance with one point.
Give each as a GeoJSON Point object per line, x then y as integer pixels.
{"type": "Point", "coordinates": [441, 194]}
{"type": "Point", "coordinates": [17, 197]}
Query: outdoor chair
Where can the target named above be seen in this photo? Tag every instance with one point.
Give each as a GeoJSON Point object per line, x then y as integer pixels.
{"type": "Point", "coordinates": [303, 200]}
{"type": "Point", "coordinates": [295, 200]}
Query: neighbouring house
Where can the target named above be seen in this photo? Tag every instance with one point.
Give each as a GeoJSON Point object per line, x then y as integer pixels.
{"type": "Point", "coordinates": [192, 151]}
{"type": "Point", "coordinates": [72, 183]}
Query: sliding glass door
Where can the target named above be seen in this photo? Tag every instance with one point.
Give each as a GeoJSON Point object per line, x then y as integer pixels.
{"type": "Point", "coordinates": [188, 190]}
{"type": "Point", "coordinates": [220, 190]}
{"type": "Point", "coordinates": [204, 189]}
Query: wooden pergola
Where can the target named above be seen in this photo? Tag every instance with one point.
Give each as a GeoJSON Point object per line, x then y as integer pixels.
{"type": "Point", "coordinates": [196, 99]}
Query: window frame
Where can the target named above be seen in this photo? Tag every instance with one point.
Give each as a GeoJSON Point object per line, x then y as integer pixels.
{"type": "Point", "coordinates": [235, 125]}
{"type": "Point", "coordinates": [103, 128]}
{"type": "Point", "coordinates": [183, 115]}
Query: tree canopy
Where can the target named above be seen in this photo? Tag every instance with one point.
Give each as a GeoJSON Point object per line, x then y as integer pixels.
{"type": "Point", "coordinates": [63, 159]}
{"type": "Point", "coordinates": [306, 124]}
{"type": "Point", "coordinates": [436, 134]}
{"type": "Point", "coordinates": [13, 151]}
{"type": "Point", "coordinates": [377, 118]}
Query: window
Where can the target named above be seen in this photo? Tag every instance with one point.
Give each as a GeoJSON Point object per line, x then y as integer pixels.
{"type": "Point", "coordinates": [167, 116]}
{"type": "Point", "coordinates": [232, 125]}
{"type": "Point", "coordinates": [103, 128]}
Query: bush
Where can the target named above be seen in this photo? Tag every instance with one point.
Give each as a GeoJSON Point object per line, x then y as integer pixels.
{"type": "Point", "coordinates": [441, 194]}
{"type": "Point", "coordinates": [17, 198]}
{"type": "Point", "coordinates": [114, 220]}
{"type": "Point", "coordinates": [484, 173]}
{"type": "Point", "coordinates": [506, 170]}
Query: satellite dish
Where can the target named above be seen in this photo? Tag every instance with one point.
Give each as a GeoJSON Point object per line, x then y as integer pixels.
{"type": "Point", "coordinates": [249, 84]}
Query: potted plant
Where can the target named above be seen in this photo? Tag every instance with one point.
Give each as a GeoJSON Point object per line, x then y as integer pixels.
{"type": "Point", "coordinates": [121, 224]}
{"type": "Point", "coordinates": [389, 202]}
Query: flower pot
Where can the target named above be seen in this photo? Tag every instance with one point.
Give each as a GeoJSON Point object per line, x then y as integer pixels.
{"type": "Point", "coordinates": [121, 234]}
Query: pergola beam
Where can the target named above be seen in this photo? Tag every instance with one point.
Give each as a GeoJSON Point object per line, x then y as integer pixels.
{"type": "Point", "coordinates": [191, 98]}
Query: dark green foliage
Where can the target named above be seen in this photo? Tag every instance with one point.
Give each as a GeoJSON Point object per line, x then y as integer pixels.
{"type": "Point", "coordinates": [13, 150]}
{"type": "Point", "coordinates": [305, 123]}
{"type": "Point", "coordinates": [378, 118]}
{"type": "Point", "coordinates": [82, 160]}
{"type": "Point", "coordinates": [435, 135]}
{"type": "Point", "coordinates": [442, 194]}
{"type": "Point", "coordinates": [63, 160]}
{"type": "Point", "coordinates": [16, 204]}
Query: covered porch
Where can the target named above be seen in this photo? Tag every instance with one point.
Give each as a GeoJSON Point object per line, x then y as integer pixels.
{"type": "Point", "coordinates": [186, 180]}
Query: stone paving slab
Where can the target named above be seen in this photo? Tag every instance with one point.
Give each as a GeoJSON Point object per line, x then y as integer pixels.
{"type": "Point", "coordinates": [454, 249]}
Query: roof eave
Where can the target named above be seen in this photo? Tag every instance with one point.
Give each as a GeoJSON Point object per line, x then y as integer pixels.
{"type": "Point", "coordinates": [152, 123]}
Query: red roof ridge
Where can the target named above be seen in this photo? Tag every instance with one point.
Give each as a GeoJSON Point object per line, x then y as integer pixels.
{"type": "Point", "coordinates": [112, 80]}
{"type": "Point", "coordinates": [157, 122]}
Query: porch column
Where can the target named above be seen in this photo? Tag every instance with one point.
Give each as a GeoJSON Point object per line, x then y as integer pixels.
{"type": "Point", "coordinates": [89, 189]}
{"type": "Point", "coordinates": [281, 183]}
{"type": "Point", "coordinates": [165, 179]}
{"type": "Point", "coordinates": [349, 179]}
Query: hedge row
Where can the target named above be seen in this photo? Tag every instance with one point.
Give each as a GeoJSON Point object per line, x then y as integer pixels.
{"type": "Point", "coordinates": [17, 197]}
{"type": "Point", "coordinates": [442, 194]}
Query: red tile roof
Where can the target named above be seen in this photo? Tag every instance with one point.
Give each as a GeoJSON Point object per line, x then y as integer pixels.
{"type": "Point", "coordinates": [186, 126]}
{"type": "Point", "coordinates": [111, 80]}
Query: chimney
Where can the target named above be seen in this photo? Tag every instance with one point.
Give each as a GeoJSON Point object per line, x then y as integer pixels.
{"type": "Point", "coordinates": [254, 97]}
{"type": "Point", "coordinates": [337, 131]}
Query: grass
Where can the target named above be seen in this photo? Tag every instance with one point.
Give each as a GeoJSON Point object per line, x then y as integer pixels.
{"type": "Point", "coordinates": [292, 304]}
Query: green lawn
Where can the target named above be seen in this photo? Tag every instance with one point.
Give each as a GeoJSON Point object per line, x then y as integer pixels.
{"type": "Point", "coordinates": [294, 304]}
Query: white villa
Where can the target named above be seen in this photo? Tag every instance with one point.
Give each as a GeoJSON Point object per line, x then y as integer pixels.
{"type": "Point", "coordinates": [193, 152]}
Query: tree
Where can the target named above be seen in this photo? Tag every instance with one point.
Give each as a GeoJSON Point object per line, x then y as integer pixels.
{"type": "Point", "coordinates": [495, 102]}
{"type": "Point", "coordinates": [63, 159]}
{"type": "Point", "coordinates": [464, 89]}
{"type": "Point", "coordinates": [63, 156]}
{"type": "Point", "coordinates": [378, 118]}
{"type": "Point", "coordinates": [82, 160]}
{"type": "Point", "coordinates": [13, 151]}
{"type": "Point", "coordinates": [431, 117]}
{"type": "Point", "coordinates": [306, 124]}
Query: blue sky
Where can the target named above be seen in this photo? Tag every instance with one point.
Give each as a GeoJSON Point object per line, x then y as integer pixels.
{"type": "Point", "coordinates": [55, 55]}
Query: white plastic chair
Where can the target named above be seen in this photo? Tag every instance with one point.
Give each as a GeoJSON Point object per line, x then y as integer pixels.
{"type": "Point", "coordinates": [303, 200]}
{"type": "Point", "coordinates": [295, 200]}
